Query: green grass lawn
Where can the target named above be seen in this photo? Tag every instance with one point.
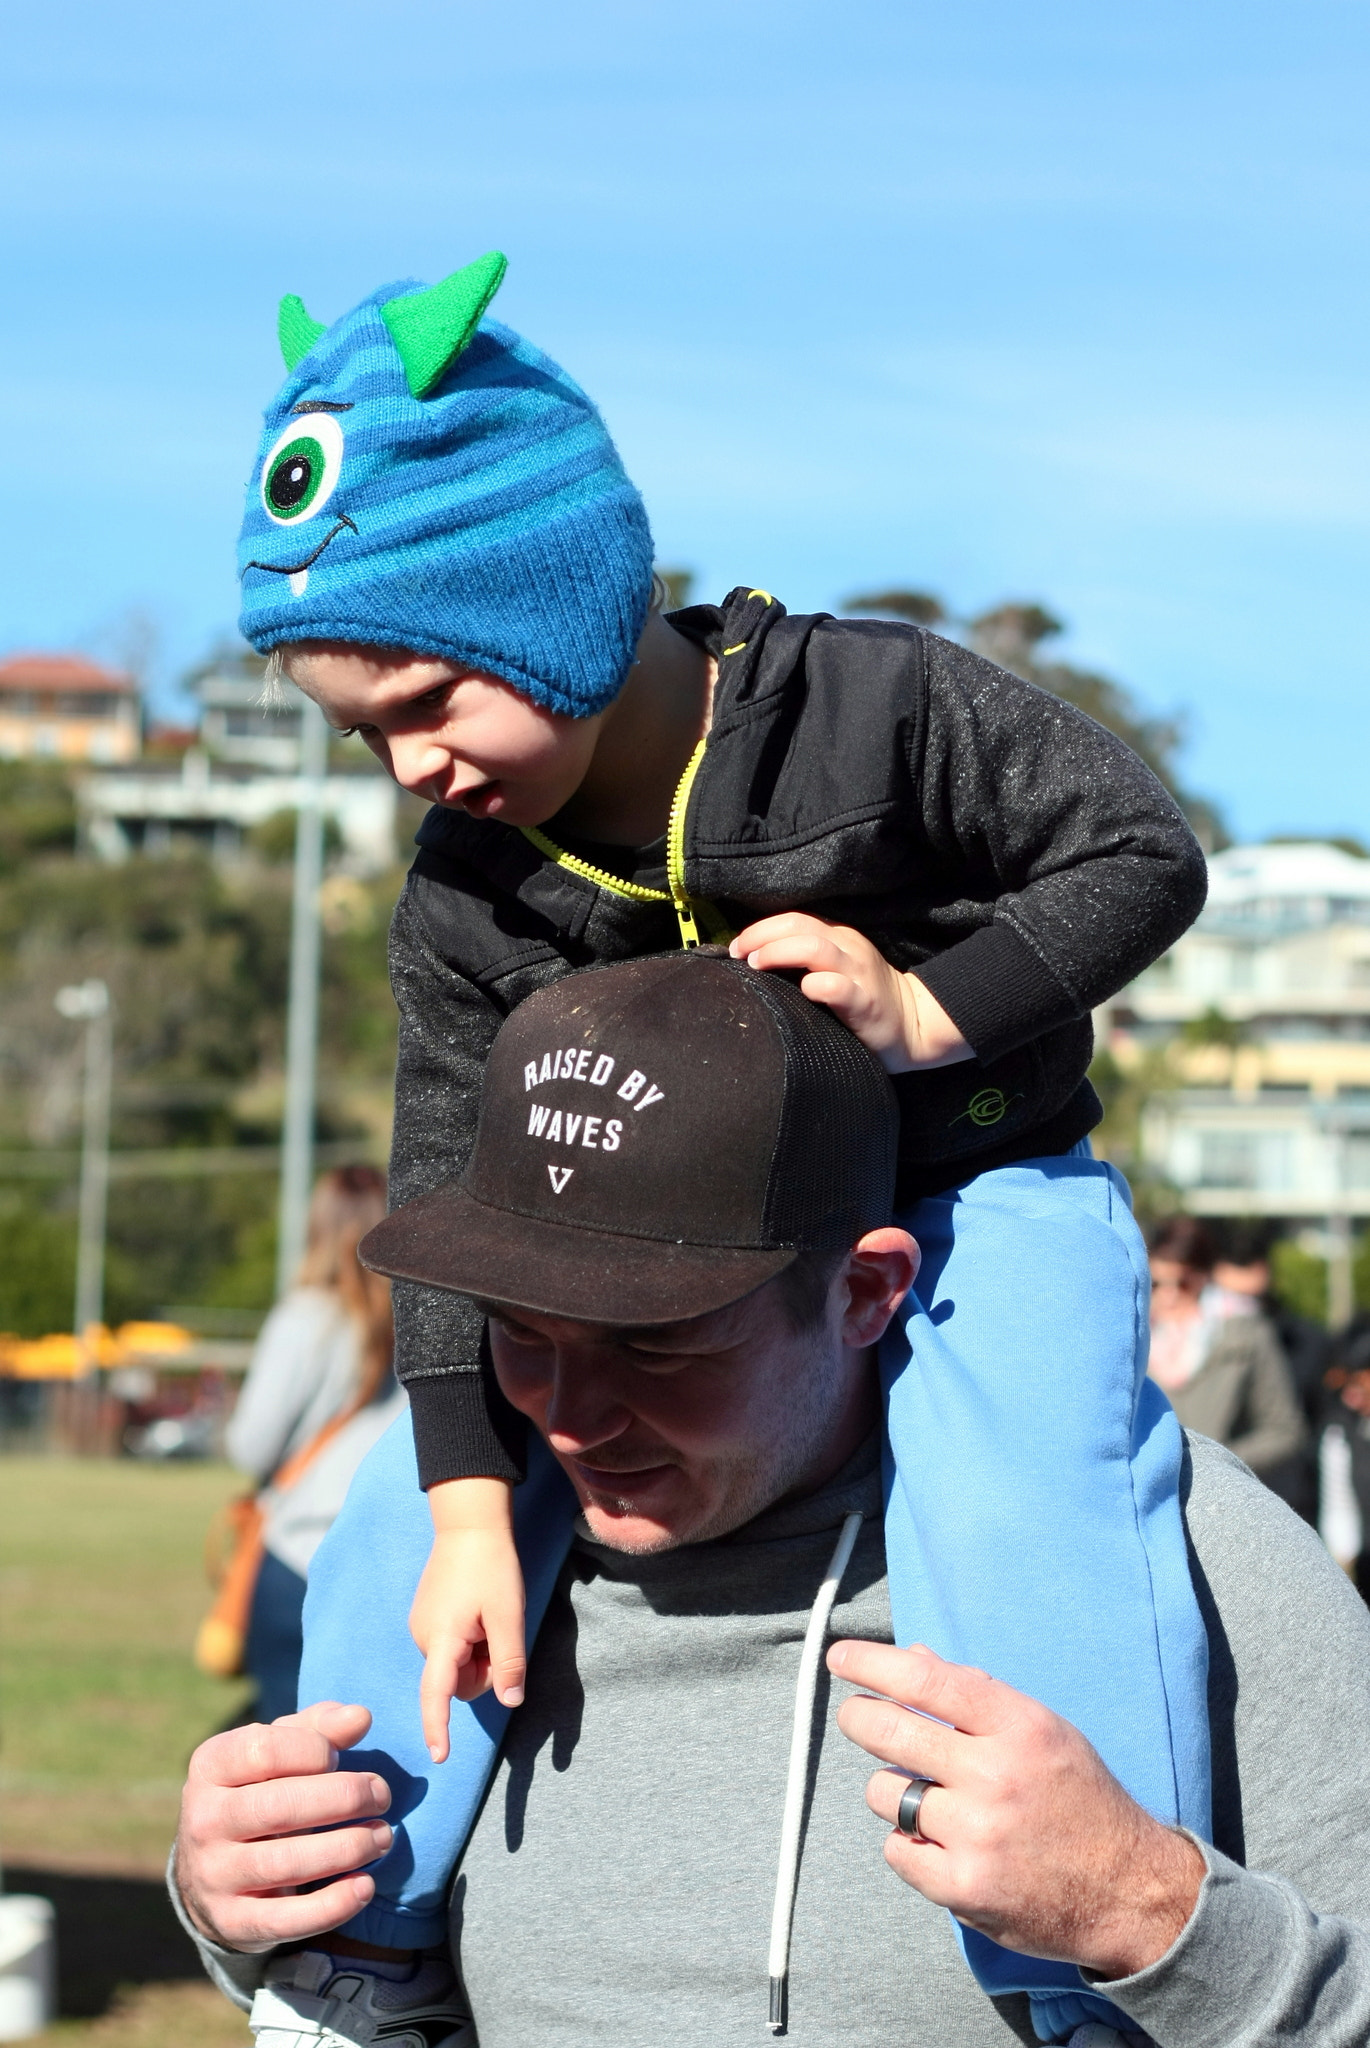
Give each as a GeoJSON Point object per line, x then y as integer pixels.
{"type": "Point", "coordinates": [102, 1584]}
{"type": "Point", "coordinates": [157, 2016]}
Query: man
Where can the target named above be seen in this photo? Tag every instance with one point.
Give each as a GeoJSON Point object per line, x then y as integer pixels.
{"type": "Point", "coordinates": [621, 1878]}
{"type": "Point", "coordinates": [1242, 1270]}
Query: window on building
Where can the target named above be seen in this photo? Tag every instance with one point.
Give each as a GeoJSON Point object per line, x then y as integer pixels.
{"type": "Point", "coordinates": [1356, 1159]}
{"type": "Point", "coordinates": [1229, 1159]}
{"type": "Point", "coordinates": [252, 724]}
{"type": "Point", "coordinates": [86, 704]}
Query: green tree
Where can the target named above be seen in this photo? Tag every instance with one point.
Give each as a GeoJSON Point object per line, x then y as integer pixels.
{"type": "Point", "coordinates": [38, 1271]}
{"type": "Point", "coordinates": [1211, 1027]}
{"type": "Point", "coordinates": [917, 606]}
{"type": "Point", "coordinates": [1014, 635]}
{"type": "Point", "coordinates": [1298, 1279]}
{"type": "Point", "coordinates": [1125, 1093]}
{"type": "Point", "coordinates": [37, 812]}
{"type": "Point", "coordinates": [196, 960]}
{"type": "Point", "coordinates": [274, 839]}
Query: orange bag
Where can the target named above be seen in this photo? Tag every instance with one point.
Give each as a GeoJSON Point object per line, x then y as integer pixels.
{"type": "Point", "coordinates": [234, 1550]}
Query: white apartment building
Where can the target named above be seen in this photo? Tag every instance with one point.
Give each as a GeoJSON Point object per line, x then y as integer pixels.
{"type": "Point", "coordinates": [155, 808]}
{"type": "Point", "coordinates": [1277, 1124]}
{"type": "Point", "coordinates": [235, 726]}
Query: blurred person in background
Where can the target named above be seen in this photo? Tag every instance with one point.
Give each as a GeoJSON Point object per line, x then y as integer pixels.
{"type": "Point", "coordinates": [1242, 1273]}
{"type": "Point", "coordinates": [1348, 1422]}
{"type": "Point", "coordinates": [318, 1394]}
{"type": "Point", "coordinates": [1216, 1356]}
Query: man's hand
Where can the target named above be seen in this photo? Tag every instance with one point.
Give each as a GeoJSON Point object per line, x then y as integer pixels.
{"type": "Point", "coordinates": [1030, 1839]}
{"type": "Point", "coordinates": [892, 1014]}
{"type": "Point", "coordinates": [467, 1615]}
{"type": "Point", "coordinates": [253, 1812]}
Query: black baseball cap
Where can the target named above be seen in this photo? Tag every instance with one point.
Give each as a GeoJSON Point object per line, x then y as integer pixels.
{"type": "Point", "coordinates": [656, 1139]}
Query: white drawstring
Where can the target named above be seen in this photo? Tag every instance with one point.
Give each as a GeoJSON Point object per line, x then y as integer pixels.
{"type": "Point", "coordinates": [787, 1875]}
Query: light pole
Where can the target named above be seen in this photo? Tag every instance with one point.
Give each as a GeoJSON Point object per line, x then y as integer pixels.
{"type": "Point", "coordinates": [1341, 1283]}
{"type": "Point", "coordinates": [88, 1002]}
{"type": "Point", "coordinates": [302, 1017]}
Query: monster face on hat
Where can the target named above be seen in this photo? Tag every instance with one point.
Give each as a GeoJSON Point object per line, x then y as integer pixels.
{"type": "Point", "coordinates": [429, 480]}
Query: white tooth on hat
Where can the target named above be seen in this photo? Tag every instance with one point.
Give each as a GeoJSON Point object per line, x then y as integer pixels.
{"type": "Point", "coordinates": [299, 582]}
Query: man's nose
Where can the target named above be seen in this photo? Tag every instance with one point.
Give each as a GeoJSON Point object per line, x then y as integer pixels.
{"type": "Point", "coordinates": [584, 1409]}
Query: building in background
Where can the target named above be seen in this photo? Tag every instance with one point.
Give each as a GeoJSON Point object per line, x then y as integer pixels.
{"type": "Point", "coordinates": [235, 726]}
{"type": "Point", "coordinates": [156, 809]}
{"type": "Point", "coordinates": [61, 707]}
{"type": "Point", "coordinates": [1256, 1026]}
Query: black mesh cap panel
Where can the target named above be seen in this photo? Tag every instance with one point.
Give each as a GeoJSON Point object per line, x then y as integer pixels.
{"type": "Point", "coordinates": [832, 1176]}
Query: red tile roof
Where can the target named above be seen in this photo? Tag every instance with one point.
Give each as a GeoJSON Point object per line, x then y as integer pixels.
{"type": "Point", "coordinates": [64, 672]}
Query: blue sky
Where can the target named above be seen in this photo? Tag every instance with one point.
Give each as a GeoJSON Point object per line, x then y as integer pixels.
{"type": "Point", "coordinates": [1063, 302]}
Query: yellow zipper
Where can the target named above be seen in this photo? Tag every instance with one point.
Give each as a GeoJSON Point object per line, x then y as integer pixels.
{"type": "Point", "coordinates": [675, 850]}
{"type": "Point", "coordinates": [583, 868]}
{"type": "Point", "coordinates": [675, 862]}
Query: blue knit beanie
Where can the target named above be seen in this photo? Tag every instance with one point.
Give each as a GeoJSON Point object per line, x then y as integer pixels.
{"type": "Point", "coordinates": [429, 480]}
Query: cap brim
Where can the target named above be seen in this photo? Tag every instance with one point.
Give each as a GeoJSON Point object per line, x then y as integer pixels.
{"type": "Point", "coordinates": [447, 1239]}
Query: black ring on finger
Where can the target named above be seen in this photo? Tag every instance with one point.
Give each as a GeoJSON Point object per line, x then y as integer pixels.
{"type": "Point", "coordinates": [910, 1806]}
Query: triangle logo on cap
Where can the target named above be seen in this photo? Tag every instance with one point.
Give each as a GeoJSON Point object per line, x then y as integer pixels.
{"type": "Point", "coordinates": [560, 1175]}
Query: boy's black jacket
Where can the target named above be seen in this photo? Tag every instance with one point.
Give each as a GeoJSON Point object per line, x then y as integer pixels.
{"type": "Point", "coordinates": [1022, 858]}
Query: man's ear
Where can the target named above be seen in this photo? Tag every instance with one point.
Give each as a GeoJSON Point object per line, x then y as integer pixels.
{"type": "Point", "coordinates": [882, 1267]}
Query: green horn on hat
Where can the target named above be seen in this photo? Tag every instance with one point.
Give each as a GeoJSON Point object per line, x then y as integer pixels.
{"type": "Point", "coordinates": [431, 328]}
{"type": "Point", "coordinates": [297, 332]}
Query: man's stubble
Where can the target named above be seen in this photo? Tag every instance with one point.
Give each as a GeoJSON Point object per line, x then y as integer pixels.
{"type": "Point", "coordinates": [805, 1399]}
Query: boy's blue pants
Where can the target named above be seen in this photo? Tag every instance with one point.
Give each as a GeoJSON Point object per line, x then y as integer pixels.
{"type": "Point", "coordinates": [1032, 1527]}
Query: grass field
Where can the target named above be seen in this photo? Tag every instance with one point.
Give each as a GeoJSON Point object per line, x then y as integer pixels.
{"type": "Point", "coordinates": [102, 1584]}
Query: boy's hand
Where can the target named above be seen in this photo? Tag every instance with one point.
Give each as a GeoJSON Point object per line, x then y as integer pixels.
{"type": "Point", "coordinates": [467, 1615]}
{"type": "Point", "coordinates": [891, 1013]}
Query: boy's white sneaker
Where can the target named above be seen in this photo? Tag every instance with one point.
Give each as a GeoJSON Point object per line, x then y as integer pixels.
{"type": "Point", "coordinates": [314, 2000]}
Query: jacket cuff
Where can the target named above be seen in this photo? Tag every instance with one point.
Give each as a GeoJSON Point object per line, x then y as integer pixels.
{"type": "Point", "coordinates": [997, 991]}
{"type": "Point", "coordinates": [465, 1429]}
{"type": "Point", "coordinates": [1215, 1982]}
{"type": "Point", "coordinates": [237, 1975]}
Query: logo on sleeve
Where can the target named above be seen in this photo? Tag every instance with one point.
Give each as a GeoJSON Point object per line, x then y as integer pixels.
{"type": "Point", "coordinates": [990, 1106]}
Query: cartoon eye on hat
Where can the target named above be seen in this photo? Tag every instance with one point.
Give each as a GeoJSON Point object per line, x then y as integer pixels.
{"type": "Point", "coordinates": [301, 468]}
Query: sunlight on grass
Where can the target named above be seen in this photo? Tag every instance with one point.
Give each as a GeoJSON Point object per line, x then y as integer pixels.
{"type": "Point", "coordinates": [102, 1582]}
{"type": "Point", "coordinates": [157, 2016]}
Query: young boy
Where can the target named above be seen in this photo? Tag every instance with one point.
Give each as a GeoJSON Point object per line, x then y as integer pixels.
{"type": "Point", "coordinates": [959, 866]}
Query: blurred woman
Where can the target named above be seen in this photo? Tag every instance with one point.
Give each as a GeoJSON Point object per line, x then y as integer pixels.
{"type": "Point", "coordinates": [1215, 1355]}
{"type": "Point", "coordinates": [319, 1392]}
